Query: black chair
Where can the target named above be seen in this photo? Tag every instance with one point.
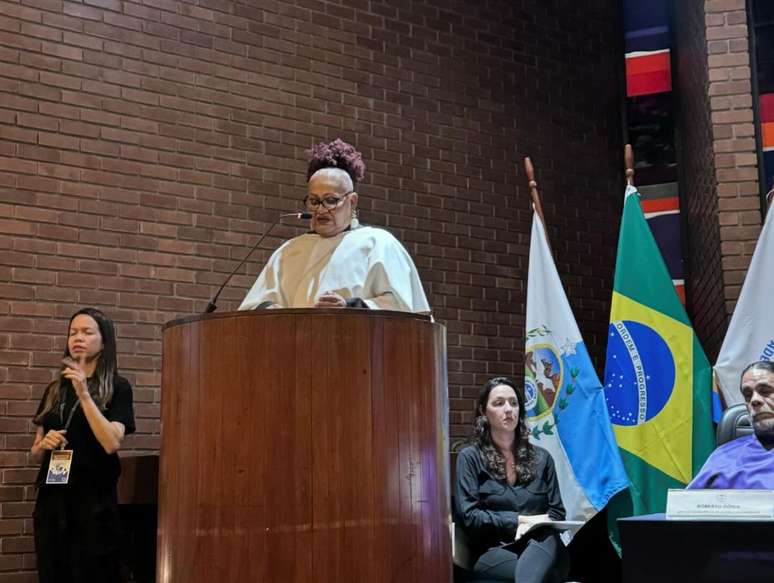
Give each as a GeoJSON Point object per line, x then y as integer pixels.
{"type": "Point", "coordinates": [734, 423]}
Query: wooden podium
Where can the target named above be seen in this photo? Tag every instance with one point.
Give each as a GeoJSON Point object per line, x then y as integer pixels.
{"type": "Point", "coordinates": [304, 445]}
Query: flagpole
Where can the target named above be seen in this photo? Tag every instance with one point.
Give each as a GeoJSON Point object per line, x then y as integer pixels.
{"type": "Point", "coordinates": [629, 164]}
{"type": "Point", "coordinates": [533, 192]}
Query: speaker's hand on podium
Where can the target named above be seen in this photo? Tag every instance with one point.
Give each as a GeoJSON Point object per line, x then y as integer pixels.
{"type": "Point", "coordinates": [331, 299]}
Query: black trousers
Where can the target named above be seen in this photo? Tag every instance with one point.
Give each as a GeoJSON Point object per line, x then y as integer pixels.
{"type": "Point", "coordinates": [76, 534]}
{"type": "Point", "coordinates": [540, 558]}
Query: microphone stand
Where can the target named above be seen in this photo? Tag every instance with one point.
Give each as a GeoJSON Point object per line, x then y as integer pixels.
{"type": "Point", "coordinates": [212, 304]}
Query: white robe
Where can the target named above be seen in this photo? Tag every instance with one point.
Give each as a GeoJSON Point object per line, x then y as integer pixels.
{"type": "Point", "coordinates": [365, 262]}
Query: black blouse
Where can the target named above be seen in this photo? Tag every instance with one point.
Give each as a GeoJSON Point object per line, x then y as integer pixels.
{"type": "Point", "coordinates": [90, 462]}
{"type": "Point", "coordinates": [489, 508]}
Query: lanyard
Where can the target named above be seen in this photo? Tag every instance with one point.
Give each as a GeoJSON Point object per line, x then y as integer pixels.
{"type": "Point", "coordinates": [62, 404]}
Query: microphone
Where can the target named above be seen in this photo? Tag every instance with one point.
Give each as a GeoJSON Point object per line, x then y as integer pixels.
{"type": "Point", "coordinates": [212, 305]}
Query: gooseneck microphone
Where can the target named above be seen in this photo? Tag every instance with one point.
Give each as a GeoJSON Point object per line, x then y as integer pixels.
{"type": "Point", "coordinates": [212, 304]}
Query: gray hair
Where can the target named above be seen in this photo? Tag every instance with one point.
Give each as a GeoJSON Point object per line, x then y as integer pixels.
{"type": "Point", "coordinates": [766, 365]}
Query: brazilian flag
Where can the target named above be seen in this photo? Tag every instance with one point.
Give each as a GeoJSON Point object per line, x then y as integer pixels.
{"type": "Point", "coordinates": [658, 382]}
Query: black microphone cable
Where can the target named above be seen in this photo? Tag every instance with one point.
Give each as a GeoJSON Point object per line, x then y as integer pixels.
{"type": "Point", "coordinates": [212, 304]}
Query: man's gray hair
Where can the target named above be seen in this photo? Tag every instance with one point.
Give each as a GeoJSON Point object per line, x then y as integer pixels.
{"type": "Point", "coordinates": [766, 365]}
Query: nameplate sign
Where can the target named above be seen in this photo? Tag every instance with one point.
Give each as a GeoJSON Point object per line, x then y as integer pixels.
{"type": "Point", "coordinates": [720, 505]}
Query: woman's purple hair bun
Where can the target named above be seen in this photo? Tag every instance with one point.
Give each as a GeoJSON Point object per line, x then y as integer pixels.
{"type": "Point", "coordinates": [337, 154]}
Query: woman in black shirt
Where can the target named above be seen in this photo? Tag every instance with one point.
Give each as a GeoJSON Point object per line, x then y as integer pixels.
{"type": "Point", "coordinates": [503, 485]}
{"type": "Point", "coordinates": [85, 413]}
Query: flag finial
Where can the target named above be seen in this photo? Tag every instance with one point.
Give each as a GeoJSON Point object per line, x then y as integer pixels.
{"type": "Point", "coordinates": [629, 164]}
{"type": "Point", "coordinates": [533, 190]}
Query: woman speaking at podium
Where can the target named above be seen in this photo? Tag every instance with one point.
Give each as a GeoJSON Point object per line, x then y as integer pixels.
{"type": "Point", "coordinates": [339, 263]}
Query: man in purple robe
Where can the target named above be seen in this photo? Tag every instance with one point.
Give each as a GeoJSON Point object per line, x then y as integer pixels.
{"type": "Point", "coordinates": [747, 462]}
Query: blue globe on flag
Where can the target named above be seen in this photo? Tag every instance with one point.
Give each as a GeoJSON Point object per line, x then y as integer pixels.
{"type": "Point", "coordinates": [639, 373]}
{"type": "Point", "coordinates": [530, 396]}
{"type": "Point", "coordinates": [543, 375]}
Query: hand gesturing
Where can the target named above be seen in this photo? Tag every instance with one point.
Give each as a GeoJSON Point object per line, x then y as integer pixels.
{"type": "Point", "coordinates": [73, 370]}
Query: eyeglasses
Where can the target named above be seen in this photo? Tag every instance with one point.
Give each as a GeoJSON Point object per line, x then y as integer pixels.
{"type": "Point", "coordinates": [329, 203]}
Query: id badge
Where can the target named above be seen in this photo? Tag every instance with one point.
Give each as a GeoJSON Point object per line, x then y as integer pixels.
{"type": "Point", "coordinates": [59, 466]}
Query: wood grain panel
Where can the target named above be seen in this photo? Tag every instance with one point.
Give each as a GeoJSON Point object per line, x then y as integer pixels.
{"type": "Point", "coordinates": [304, 445]}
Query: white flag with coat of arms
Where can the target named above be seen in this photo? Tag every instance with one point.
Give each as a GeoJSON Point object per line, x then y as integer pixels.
{"type": "Point", "coordinates": [565, 400]}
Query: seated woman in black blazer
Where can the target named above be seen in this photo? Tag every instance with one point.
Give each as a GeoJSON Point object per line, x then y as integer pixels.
{"type": "Point", "coordinates": [503, 485]}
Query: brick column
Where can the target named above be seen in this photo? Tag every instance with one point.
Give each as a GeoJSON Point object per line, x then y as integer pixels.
{"type": "Point", "coordinates": [731, 104]}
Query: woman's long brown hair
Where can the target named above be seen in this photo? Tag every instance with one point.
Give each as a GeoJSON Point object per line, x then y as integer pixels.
{"type": "Point", "coordinates": [523, 452]}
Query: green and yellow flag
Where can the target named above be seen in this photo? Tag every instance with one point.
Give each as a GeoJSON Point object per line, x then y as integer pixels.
{"type": "Point", "coordinates": [658, 381]}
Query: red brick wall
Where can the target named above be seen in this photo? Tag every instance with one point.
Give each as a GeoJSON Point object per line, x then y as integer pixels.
{"type": "Point", "coordinates": [704, 273]}
{"type": "Point", "coordinates": [720, 161]}
{"type": "Point", "coordinates": [143, 146]}
{"type": "Point", "coordinates": [736, 159]}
